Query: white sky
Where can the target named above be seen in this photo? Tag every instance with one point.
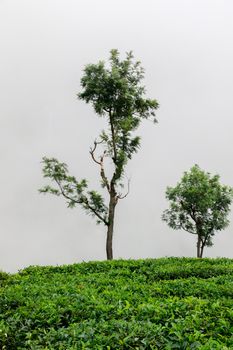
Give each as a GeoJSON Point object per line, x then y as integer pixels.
{"type": "Point", "coordinates": [186, 49]}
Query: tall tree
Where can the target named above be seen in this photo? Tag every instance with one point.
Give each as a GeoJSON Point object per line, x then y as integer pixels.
{"type": "Point", "coordinates": [199, 204]}
{"type": "Point", "coordinates": [116, 93]}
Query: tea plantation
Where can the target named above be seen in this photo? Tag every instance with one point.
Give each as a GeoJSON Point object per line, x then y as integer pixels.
{"type": "Point", "coordinates": [169, 303]}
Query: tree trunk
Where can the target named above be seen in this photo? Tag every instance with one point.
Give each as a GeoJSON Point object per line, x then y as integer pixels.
{"type": "Point", "coordinates": [198, 246]}
{"type": "Point", "coordinates": [202, 248]}
{"type": "Point", "coordinates": [111, 214]}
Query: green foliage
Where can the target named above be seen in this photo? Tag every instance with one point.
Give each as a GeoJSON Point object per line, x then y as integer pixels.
{"type": "Point", "coordinates": [74, 191]}
{"type": "Point", "coordinates": [199, 204]}
{"type": "Point", "coordinates": [115, 92]}
{"type": "Point", "coordinates": [117, 89]}
{"type": "Point", "coordinates": [169, 303]}
{"type": "Point", "coordinates": [4, 278]}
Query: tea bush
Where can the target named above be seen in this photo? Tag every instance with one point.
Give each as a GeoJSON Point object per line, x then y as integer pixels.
{"type": "Point", "coordinates": [169, 303]}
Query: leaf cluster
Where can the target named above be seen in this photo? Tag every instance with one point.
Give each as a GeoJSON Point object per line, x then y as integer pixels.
{"type": "Point", "coordinates": [75, 192]}
{"type": "Point", "coordinates": [117, 89]}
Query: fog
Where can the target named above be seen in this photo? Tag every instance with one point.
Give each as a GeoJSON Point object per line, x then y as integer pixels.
{"type": "Point", "coordinates": [186, 50]}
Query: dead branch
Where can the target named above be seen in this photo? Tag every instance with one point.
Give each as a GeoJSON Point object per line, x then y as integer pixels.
{"type": "Point", "coordinates": [92, 152]}
{"type": "Point", "coordinates": [101, 163]}
{"type": "Point", "coordinates": [120, 196]}
{"type": "Point", "coordinates": [102, 172]}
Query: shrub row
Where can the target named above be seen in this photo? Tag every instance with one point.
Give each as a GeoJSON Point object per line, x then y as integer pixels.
{"type": "Point", "coordinates": [169, 303]}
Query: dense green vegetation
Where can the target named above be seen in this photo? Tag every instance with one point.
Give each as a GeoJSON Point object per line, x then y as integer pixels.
{"type": "Point", "coordinates": [200, 205]}
{"type": "Point", "coordinates": [169, 303]}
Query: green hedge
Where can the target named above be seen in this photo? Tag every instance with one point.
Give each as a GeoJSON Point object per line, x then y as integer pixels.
{"type": "Point", "coordinates": [169, 303]}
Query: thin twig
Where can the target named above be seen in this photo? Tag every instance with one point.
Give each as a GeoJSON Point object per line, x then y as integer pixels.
{"type": "Point", "coordinates": [120, 196]}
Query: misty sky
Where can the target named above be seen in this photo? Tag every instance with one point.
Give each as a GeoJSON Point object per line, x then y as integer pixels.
{"type": "Point", "coordinates": [187, 52]}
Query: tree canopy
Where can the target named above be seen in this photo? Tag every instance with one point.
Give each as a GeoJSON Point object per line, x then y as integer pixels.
{"type": "Point", "coordinates": [199, 204]}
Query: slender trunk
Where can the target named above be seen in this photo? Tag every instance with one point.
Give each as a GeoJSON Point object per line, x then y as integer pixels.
{"type": "Point", "coordinates": [111, 214]}
{"type": "Point", "coordinates": [202, 248]}
{"type": "Point", "coordinates": [198, 246]}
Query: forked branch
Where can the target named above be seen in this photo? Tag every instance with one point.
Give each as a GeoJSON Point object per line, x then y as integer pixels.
{"type": "Point", "coordinates": [92, 152]}
{"type": "Point", "coordinates": [120, 196]}
{"type": "Point", "coordinates": [101, 163]}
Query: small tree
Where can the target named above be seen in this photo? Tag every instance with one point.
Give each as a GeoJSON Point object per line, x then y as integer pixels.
{"type": "Point", "coordinates": [199, 204]}
{"type": "Point", "coordinates": [115, 92]}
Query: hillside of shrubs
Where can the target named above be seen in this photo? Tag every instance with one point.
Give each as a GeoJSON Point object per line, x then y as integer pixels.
{"type": "Point", "coordinates": [168, 303]}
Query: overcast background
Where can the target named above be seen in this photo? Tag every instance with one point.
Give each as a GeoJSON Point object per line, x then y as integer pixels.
{"type": "Point", "coordinates": [186, 49]}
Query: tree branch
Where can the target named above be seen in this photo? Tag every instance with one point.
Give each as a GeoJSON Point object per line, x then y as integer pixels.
{"type": "Point", "coordinates": [113, 138]}
{"type": "Point", "coordinates": [97, 214]}
{"type": "Point", "coordinates": [80, 202]}
{"type": "Point", "coordinates": [92, 152]}
{"type": "Point", "coordinates": [101, 163]}
{"type": "Point", "coordinates": [120, 196]}
{"type": "Point", "coordinates": [204, 241]}
{"type": "Point", "coordinates": [187, 230]}
{"type": "Point", "coordinates": [64, 194]}
{"type": "Point", "coordinates": [102, 172]}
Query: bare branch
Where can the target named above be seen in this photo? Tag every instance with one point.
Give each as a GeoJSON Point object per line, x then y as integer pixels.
{"type": "Point", "coordinates": [92, 152]}
{"type": "Point", "coordinates": [101, 163]}
{"type": "Point", "coordinates": [113, 137]}
{"type": "Point", "coordinates": [102, 172]}
{"type": "Point", "coordinates": [120, 196]}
